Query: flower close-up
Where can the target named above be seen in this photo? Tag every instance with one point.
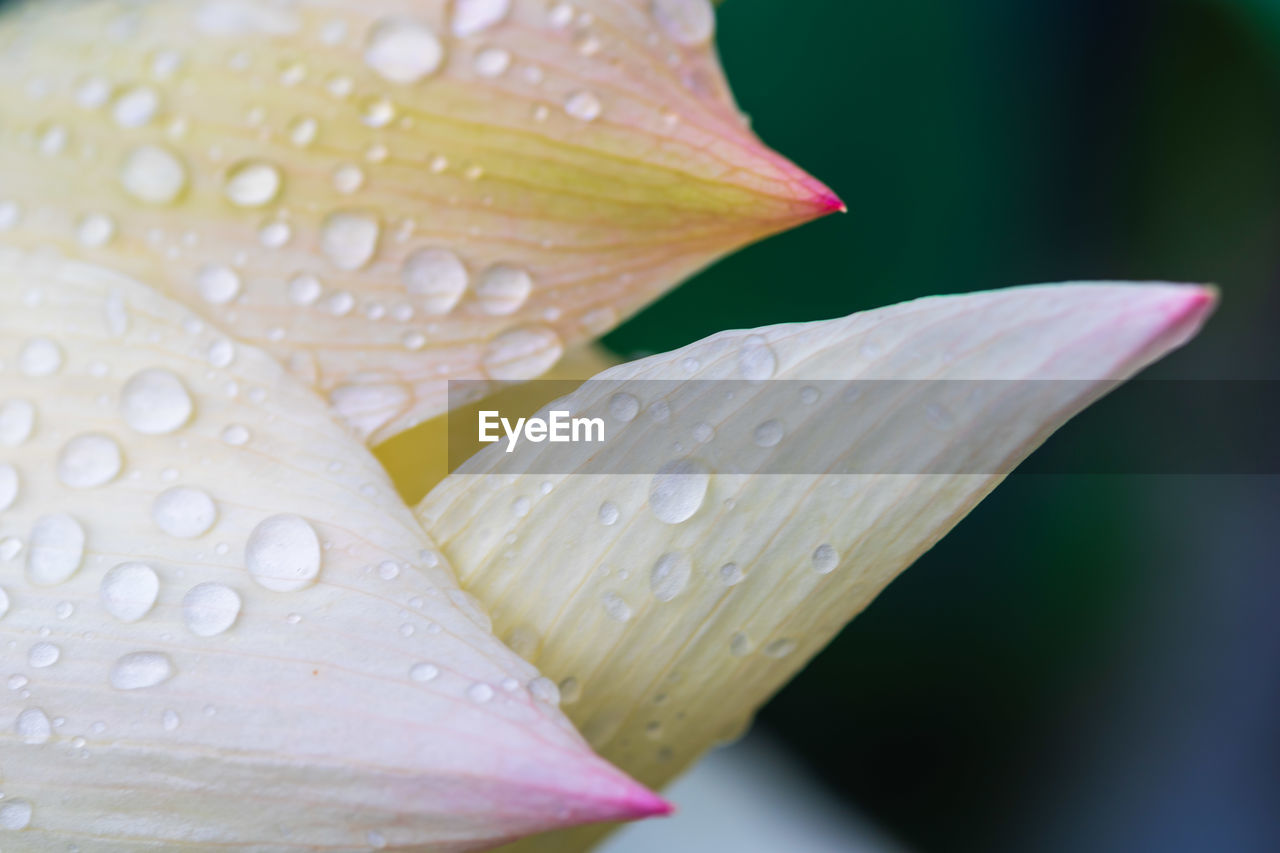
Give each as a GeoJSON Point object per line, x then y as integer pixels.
{"type": "Point", "coordinates": [263, 264]}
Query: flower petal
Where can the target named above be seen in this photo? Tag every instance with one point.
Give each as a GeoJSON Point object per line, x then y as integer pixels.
{"type": "Point", "coordinates": [223, 627]}
{"type": "Point", "coordinates": [671, 609]}
{"type": "Point", "coordinates": [383, 194]}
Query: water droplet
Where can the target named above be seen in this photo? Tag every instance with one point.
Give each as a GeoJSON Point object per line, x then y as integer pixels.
{"type": "Point", "coordinates": [129, 591]}
{"type": "Point", "coordinates": [492, 62]}
{"type": "Point", "coordinates": [153, 175]}
{"type": "Point", "coordinates": [731, 574]}
{"type": "Point", "coordinates": [349, 239]}
{"type": "Point", "coordinates": [304, 289]}
{"type": "Point", "coordinates": [686, 22]}
{"type": "Point", "coordinates": [236, 435]}
{"type": "Point", "coordinates": [825, 559]}
{"type": "Point", "coordinates": [283, 553]}
{"type": "Point", "coordinates": [423, 672]}
{"type": "Point", "coordinates": [740, 645]}
{"type": "Point", "coordinates": [670, 575]}
{"type": "Point", "coordinates": [170, 720]}
{"type": "Point", "coordinates": [403, 51]}
{"type": "Point", "coordinates": [43, 655]}
{"type": "Point", "coordinates": [583, 106]}
{"type": "Point", "coordinates": [253, 183]}
{"type": "Point", "coordinates": [437, 277]}
{"type": "Point", "coordinates": [15, 815]}
{"type": "Point", "coordinates": [544, 690]}
{"type": "Point", "coordinates": [155, 402]}
{"type": "Point", "coordinates": [95, 230]}
{"type": "Point", "coordinates": [57, 547]}
{"type": "Point", "coordinates": [677, 490]}
{"type": "Point", "coordinates": [4, 603]}
{"type": "Point", "coordinates": [348, 178]}
{"type": "Point", "coordinates": [221, 353]}
{"type": "Point", "coordinates": [10, 547]}
{"type": "Point", "coordinates": [615, 607]}
{"type": "Point", "coordinates": [88, 461]}
{"type": "Point", "coordinates": [302, 131]}
{"type": "Point", "coordinates": [480, 693]}
{"type": "Point", "coordinates": [756, 361]}
{"type": "Point", "coordinates": [624, 407]}
{"type": "Point", "coordinates": [780, 648]}
{"type": "Point", "coordinates": [210, 609]}
{"type": "Point", "coordinates": [40, 357]}
{"type": "Point", "coordinates": [503, 289]}
{"type": "Point", "coordinates": [218, 284]}
{"type": "Point", "coordinates": [769, 433]}
{"type": "Point", "coordinates": [184, 512]}
{"type": "Point", "coordinates": [703, 432]}
{"type": "Point", "coordinates": [609, 513]}
{"type": "Point", "coordinates": [34, 727]}
{"type": "Point", "coordinates": [17, 420]}
{"type": "Point", "coordinates": [10, 485]}
{"type": "Point", "coordinates": [473, 16]}
{"type": "Point", "coordinates": [141, 670]}
{"type": "Point", "coordinates": [524, 352]}
{"type": "Point", "coordinates": [136, 107]}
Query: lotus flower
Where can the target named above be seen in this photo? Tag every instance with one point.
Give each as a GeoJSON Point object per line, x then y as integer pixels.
{"type": "Point", "coordinates": [242, 242]}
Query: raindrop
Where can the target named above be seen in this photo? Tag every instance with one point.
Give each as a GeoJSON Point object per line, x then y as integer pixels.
{"type": "Point", "coordinates": [129, 591]}
{"type": "Point", "coordinates": [253, 183]}
{"type": "Point", "coordinates": [583, 106]}
{"type": "Point", "coordinates": [283, 553]}
{"type": "Point", "coordinates": [302, 131]}
{"type": "Point", "coordinates": [15, 815]}
{"type": "Point", "coordinates": [350, 239]}
{"type": "Point", "coordinates": [524, 352]}
{"type": "Point", "coordinates": [95, 230]}
{"type": "Point", "coordinates": [184, 512]}
{"type": "Point", "coordinates": [423, 672]}
{"type": "Point", "coordinates": [624, 407]}
{"type": "Point", "coordinates": [473, 16]}
{"type": "Point", "coordinates": [544, 690]}
{"type": "Point", "coordinates": [43, 655]}
{"type": "Point", "coordinates": [34, 727]}
{"type": "Point", "coordinates": [609, 513]}
{"type": "Point", "coordinates": [236, 435]}
{"type": "Point", "coordinates": [731, 574]}
{"type": "Point", "coordinates": [686, 22]}
{"type": "Point", "coordinates": [218, 284]}
{"type": "Point", "coordinates": [153, 175]}
{"type": "Point", "coordinates": [210, 609]}
{"type": "Point", "coordinates": [155, 402]}
{"type": "Point", "coordinates": [740, 645]}
{"type": "Point", "coordinates": [17, 420]}
{"type": "Point", "coordinates": [403, 51]}
{"type": "Point", "coordinates": [437, 277]}
{"type": "Point", "coordinates": [140, 670]}
{"type": "Point", "coordinates": [756, 361]}
{"type": "Point", "coordinates": [480, 693]}
{"type": "Point", "coordinates": [304, 289]}
{"type": "Point", "coordinates": [615, 607]}
{"type": "Point", "coordinates": [88, 461]}
{"type": "Point", "coordinates": [4, 603]}
{"type": "Point", "coordinates": [670, 575]}
{"type": "Point", "coordinates": [170, 720]}
{"type": "Point", "coordinates": [40, 357]}
{"type": "Point", "coordinates": [503, 289]}
{"type": "Point", "coordinates": [825, 559]}
{"type": "Point", "coordinates": [348, 178]}
{"type": "Point", "coordinates": [769, 433]}
{"type": "Point", "coordinates": [678, 489]}
{"type": "Point", "coordinates": [9, 486]}
{"type": "Point", "coordinates": [492, 62]}
{"type": "Point", "coordinates": [136, 107]}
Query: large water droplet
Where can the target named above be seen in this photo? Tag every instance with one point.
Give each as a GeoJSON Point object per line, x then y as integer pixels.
{"type": "Point", "coordinates": [473, 16]}
{"type": "Point", "coordinates": [57, 547]}
{"type": "Point", "coordinates": [349, 239]}
{"type": "Point", "coordinates": [129, 591]}
{"type": "Point", "coordinates": [670, 575]}
{"type": "Point", "coordinates": [33, 726]}
{"type": "Point", "coordinates": [524, 352]}
{"type": "Point", "coordinates": [43, 655]}
{"type": "Point", "coordinates": [140, 670]}
{"type": "Point", "coordinates": [10, 484]}
{"type": "Point", "coordinates": [210, 609]}
{"type": "Point", "coordinates": [17, 420]}
{"type": "Point", "coordinates": [184, 512]}
{"type": "Point", "coordinates": [253, 183]}
{"type": "Point", "coordinates": [503, 289]}
{"type": "Point", "coordinates": [677, 490]}
{"type": "Point", "coordinates": [283, 553]}
{"type": "Point", "coordinates": [155, 402]}
{"type": "Point", "coordinates": [686, 22]}
{"type": "Point", "coordinates": [153, 175]}
{"type": "Point", "coordinates": [403, 51]}
{"type": "Point", "coordinates": [40, 357]}
{"type": "Point", "coordinates": [437, 277]}
{"type": "Point", "coordinates": [88, 461]}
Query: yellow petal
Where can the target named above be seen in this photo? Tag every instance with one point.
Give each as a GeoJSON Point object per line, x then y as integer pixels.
{"type": "Point", "coordinates": [387, 194]}
{"type": "Point", "coordinates": [222, 627]}
{"type": "Point", "coordinates": [671, 605]}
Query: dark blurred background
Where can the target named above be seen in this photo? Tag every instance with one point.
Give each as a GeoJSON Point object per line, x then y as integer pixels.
{"type": "Point", "coordinates": [1087, 662]}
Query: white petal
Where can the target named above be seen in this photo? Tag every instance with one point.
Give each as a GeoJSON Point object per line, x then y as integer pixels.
{"type": "Point", "coordinates": [215, 646]}
{"type": "Point", "coordinates": [670, 606]}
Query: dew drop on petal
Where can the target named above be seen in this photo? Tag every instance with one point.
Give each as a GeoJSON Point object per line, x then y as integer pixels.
{"type": "Point", "coordinates": [283, 553]}
{"type": "Point", "coordinates": [88, 461]}
{"type": "Point", "coordinates": [218, 284]}
{"type": "Point", "coordinates": [155, 402]}
{"type": "Point", "coordinates": [210, 609]}
{"type": "Point", "coordinates": [769, 433]}
{"type": "Point", "coordinates": [423, 672]}
{"type": "Point", "coordinates": [473, 16]}
{"type": "Point", "coordinates": [15, 815]}
{"type": "Point", "coordinates": [129, 591]}
{"type": "Point", "coordinates": [43, 655]}
{"type": "Point", "coordinates": [10, 485]}
{"type": "Point", "coordinates": [756, 361]}
{"type": "Point", "coordinates": [503, 289]}
{"type": "Point", "coordinates": [686, 22]}
{"type": "Point", "coordinates": [825, 559]}
{"type": "Point", "coordinates": [492, 62]}
{"type": "Point", "coordinates": [780, 648]}
{"type": "Point", "coordinates": [403, 51]}
{"type": "Point", "coordinates": [624, 407]}
{"type": "Point", "coordinates": [184, 512]}
{"type": "Point", "coordinates": [731, 574]}
{"type": "Point", "coordinates": [349, 239]}
{"type": "Point", "coordinates": [153, 175]}
{"type": "Point", "coordinates": [678, 489]}
{"type": "Point", "coordinates": [437, 277]}
{"type": "Point", "coordinates": [545, 690]}
{"type": "Point", "coordinates": [615, 607]}
{"type": "Point", "coordinates": [140, 670]}
{"type": "Point", "coordinates": [33, 726]}
{"type": "Point", "coordinates": [253, 183]}
{"type": "Point", "coordinates": [524, 352]}
{"type": "Point", "coordinates": [583, 106]}
{"type": "Point", "coordinates": [40, 357]}
{"type": "Point", "coordinates": [4, 603]}
{"type": "Point", "coordinates": [480, 692]}
{"type": "Point", "coordinates": [56, 549]}
{"type": "Point", "coordinates": [95, 230]}
{"type": "Point", "coordinates": [17, 420]}
{"type": "Point", "coordinates": [608, 513]}
{"type": "Point", "coordinates": [670, 575]}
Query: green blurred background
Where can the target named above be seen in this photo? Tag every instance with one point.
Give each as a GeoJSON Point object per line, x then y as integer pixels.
{"type": "Point", "coordinates": [1087, 662]}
